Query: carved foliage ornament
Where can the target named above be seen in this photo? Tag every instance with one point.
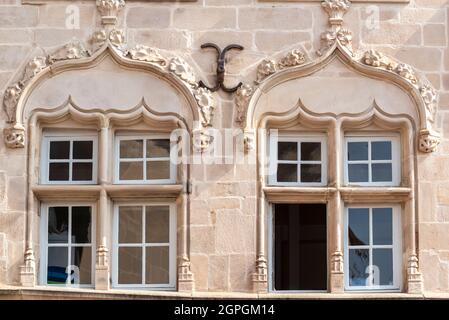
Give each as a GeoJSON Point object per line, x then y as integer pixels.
{"type": "Point", "coordinates": [144, 53]}
{"type": "Point", "coordinates": [109, 10]}
{"type": "Point", "coordinates": [268, 67]}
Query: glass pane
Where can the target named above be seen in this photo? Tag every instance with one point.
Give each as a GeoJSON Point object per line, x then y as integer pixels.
{"type": "Point", "coordinates": [82, 171]}
{"type": "Point", "coordinates": [82, 149]}
{"type": "Point", "coordinates": [158, 170]}
{"type": "Point", "coordinates": [82, 260]}
{"type": "Point", "coordinates": [58, 224]}
{"type": "Point", "coordinates": [81, 224]}
{"type": "Point", "coordinates": [311, 151]}
{"type": "Point", "coordinates": [358, 226]}
{"type": "Point", "coordinates": [131, 149]}
{"type": "Point", "coordinates": [59, 149]}
{"type": "Point", "coordinates": [287, 150]}
{"type": "Point", "coordinates": [358, 264]}
{"type": "Point", "coordinates": [310, 172]}
{"type": "Point", "coordinates": [358, 172]}
{"type": "Point", "coordinates": [158, 148]}
{"type": "Point", "coordinates": [357, 151]}
{"type": "Point", "coordinates": [157, 224]}
{"type": "Point", "coordinates": [382, 172]}
{"type": "Point", "coordinates": [383, 267]}
{"type": "Point", "coordinates": [287, 173]}
{"type": "Point", "coordinates": [58, 172]}
{"type": "Point", "coordinates": [157, 265]}
{"type": "Point", "coordinates": [130, 265]}
{"type": "Point", "coordinates": [381, 150]}
{"type": "Point", "coordinates": [382, 226]}
{"type": "Point", "coordinates": [131, 170]}
{"type": "Point", "coordinates": [57, 264]}
{"type": "Point", "coordinates": [130, 224]}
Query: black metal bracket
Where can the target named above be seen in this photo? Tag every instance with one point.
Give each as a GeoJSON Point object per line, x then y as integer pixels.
{"type": "Point", "coordinates": [221, 55]}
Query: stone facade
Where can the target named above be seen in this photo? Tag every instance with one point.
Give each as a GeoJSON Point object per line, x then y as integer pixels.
{"type": "Point", "coordinates": [387, 60]}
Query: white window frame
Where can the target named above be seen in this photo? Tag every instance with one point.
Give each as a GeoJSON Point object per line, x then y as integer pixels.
{"type": "Point", "coordinates": [44, 241]}
{"type": "Point", "coordinates": [271, 253]}
{"type": "Point", "coordinates": [395, 160]}
{"type": "Point", "coordinates": [128, 136]}
{"type": "Point", "coordinates": [396, 248]}
{"type": "Point", "coordinates": [172, 247]}
{"type": "Point", "coordinates": [67, 136]}
{"type": "Point", "coordinates": [276, 137]}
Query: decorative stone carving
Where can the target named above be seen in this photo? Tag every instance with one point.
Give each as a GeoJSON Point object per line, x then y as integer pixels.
{"type": "Point", "coordinates": [336, 9]}
{"type": "Point", "coordinates": [10, 99]}
{"type": "Point", "coordinates": [265, 69]}
{"type": "Point", "coordinates": [36, 65]}
{"type": "Point", "coordinates": [414, 277]}
{"type": "Point", "coordinates": [406, 72]}
{"type": "Point", "coordinates": [242, 97]}
{"type": "Point", "coordinates": [145, 53]}
{"type": "Point", "coordinates": [428, 142]}
{"type": "Point", "coordinates": [180, 68]}
{"type": "Point", "coordinates": [330, 38]}
{"type": "Point", "coordinates": [72, 50]}
{"type": "Point", "coordinates": [260, 277]}
{"type": "Point", "coordinates": [377, 59]}
{"type": "Point", "coordinates": [202, 139]}
{"type": "Point", "coordinates": [248, 141]}
{"type": "Point", "coordinates": [337, 262]}
{"type": "Point", "coordinates": [429, 96]}
{"type": "Point", "coordinates": [14, 137]}
{"type": "Point", "coordinates": [294, 58]}
{"type": "Point", "coordinates": [117, 37]}
{"type": "Point", "coordinates": [206, 103]}
{"type": "Point", "coordinates": [109, 10]}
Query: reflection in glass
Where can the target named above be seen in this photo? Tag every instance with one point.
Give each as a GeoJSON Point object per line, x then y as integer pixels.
{"type": "Point", "coordinates": [158, 170]}
{"type": "Point", "coordinates": [82, 258]}
{"type": "Point", "coordinates": [58, 224]}
{"type": "Point", "coordinates": [81, 224]}
{"type": "Point", "coordinates": [358, 172]}
{"type": "Point", "coordinates": [56, 265]}
{"type": "Point", "coordinates": [130, 224]}
{"type": "Point", "coordinates": [82, 149]}
{"type": "Point", "coordinates": [382, 226]}
{"type": "Point", "coordinates": [358, 226]}
{"type": "Point", "coordinates": [157, 224]}
{"type": "Point", "coordinates": [357, 151]}
{"type": "Point", "coordinates": [310, 172]}
{"type": "Point", "coordinates": [382, 172]}
{"type": "Point", "coordinates": [311, 151]}
{"type": "Point", "coordinates": [287, 173]}
{"type": "Point", "coordinates": [130, 265]}
{"type": "Point", "coordinates": [287, 150]}
{"type": "Point", "coordinates": [358, 263]}
{"type": "Point", "coordinates": [59, 149]}
{"type": "Point", "coordinates": [58, 172]}
{"type": "Point", "coordinates": [157, 148]}
{"type": "Point", "coordinates": [131, 170]}
{"type": "Point", "coordinates": [381, 150]}
{"type": "Point", "coordinates": [131, 149]}
{"type": "Point", "coordinates": [157, 265]}
{"type": "Point", "coordinates": [383, 264]}
{"type": "Point", "coordinates": [82, 171]}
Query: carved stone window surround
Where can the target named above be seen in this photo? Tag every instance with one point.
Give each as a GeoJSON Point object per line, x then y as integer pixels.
{"type": "Point", "coordinates": [106, 123]}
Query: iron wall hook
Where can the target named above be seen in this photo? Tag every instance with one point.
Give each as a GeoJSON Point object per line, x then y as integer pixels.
{"type": "Point", "coordinates": [221, 67]}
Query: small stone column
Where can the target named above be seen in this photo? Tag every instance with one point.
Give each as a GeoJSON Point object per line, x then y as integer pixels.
{"type": "Point", "coordinates": [102, 261]}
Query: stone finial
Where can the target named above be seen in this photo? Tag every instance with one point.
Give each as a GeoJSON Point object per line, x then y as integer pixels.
{"type": "Point", "coordinates": [336, 9]}
{"type": "Point", "coordinates": [109, 10]}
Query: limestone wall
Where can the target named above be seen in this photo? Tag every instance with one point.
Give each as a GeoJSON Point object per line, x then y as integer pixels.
{"type": "Point", "coordinates": [223, 204]}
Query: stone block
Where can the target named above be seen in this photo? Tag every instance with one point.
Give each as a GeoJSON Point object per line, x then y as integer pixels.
{"type": "Point", "coordinates": [218, 273]}
{"type": "Point", "coordinates": [18, 16]}
{"type": "Point", "coordinates": [434, 35]}
{"type": "Point", "coordinates": [193, 18]}
{"type": "Point", "coordinates": [275, 18]}
{"type": "Point", "coordinates": [148, 17]}
{"type": "Point", "coordinates": [200, 269]}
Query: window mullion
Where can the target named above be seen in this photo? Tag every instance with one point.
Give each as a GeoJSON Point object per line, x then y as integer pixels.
{"type": "Point", "coordinates": [370, 263]}
{"type": "Point", "coordinates": [144, 239]}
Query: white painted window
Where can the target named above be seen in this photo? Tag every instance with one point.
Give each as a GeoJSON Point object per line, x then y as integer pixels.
{"type": "Point", "coordinates": [297, 159]}
{"type": "Point", "coordinates": [68, 159]}
{"type": "Point", "coordinates": [67, 245]}
{"type": "Point", "coordinates": [372, 248]}
{"type": "Point", "coordinates": [145, 245]}
{"type": "Point", "coordinates": [145, 159]}
{"type": "Point", "coordinates": [372, 161]}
